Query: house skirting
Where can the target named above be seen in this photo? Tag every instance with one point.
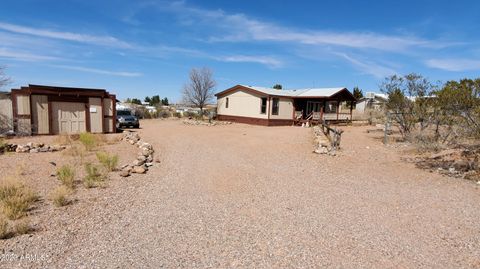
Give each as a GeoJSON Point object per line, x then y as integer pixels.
{"type": "Point", "coordinates": [255, 121]}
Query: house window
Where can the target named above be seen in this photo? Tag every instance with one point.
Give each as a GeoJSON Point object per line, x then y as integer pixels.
{"type": "Point", "coordinates": [263, 107]}
{"type": "Point", "coordinates": [226, 103]}
{"type": "Point", "coordinates": [275, 106]}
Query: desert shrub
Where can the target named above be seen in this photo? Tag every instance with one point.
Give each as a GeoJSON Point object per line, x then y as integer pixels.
{"type": "Point", "coordinates": [94, 177]}
{"type": "Point", "coordinates": [66, 175]}
{"type": "Point", "coordinates": [3, 145]}
{"type": "Point", "coordinates": [108, 161]}
{"type": "Point", "coordinates": [424, 142]}
{"type": "Point", "coordinates": [4, 233]}
{"type": "Point", "coordinates": [77, 151]}
{"type": "Point", "coordinates": [164, 114]}
{"type": "Point", "coordinates": [22, 227]}
{"type": "Point", "coordinates": [88, 140]}
{"type": "Point", "coordinates": [16, 198]}
{"type": "Point", "coordinates": [59, 196]}
{"type": "Point", "coordinates": [177, 114]}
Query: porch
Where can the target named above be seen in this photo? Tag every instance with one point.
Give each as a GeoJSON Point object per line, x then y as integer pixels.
{"type": "Point", "coordinates": [315, 111]}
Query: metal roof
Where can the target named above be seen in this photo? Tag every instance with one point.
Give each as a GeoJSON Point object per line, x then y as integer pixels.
{"type": "Point", "coordinates": [308, 92]}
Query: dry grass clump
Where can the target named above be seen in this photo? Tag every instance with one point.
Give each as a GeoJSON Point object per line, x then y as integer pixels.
{"type": "Point", "coordinates": [94, 176]}
{"type": "Point", "coordinates": [76, 150]}
{"type": "Point", "coordinates": [16, 198]}
{"type": "Point", "coordinates": [66, 175]}
{"type": "Point", "coordinates": [22, 227]}
{"type": "Point", "coordinates": [59, 196]}
{"type": "Point", "coordinates": [4, 228]}
{"type": "Point", "coordinates": [108, 161]}
{"type": "Point", "coordinates": [88, 140]}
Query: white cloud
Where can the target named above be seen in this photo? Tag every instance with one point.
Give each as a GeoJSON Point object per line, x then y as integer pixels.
{"type": "Point", "coordinates": [25, 56]}
{"type": "Point", "coordinates": [69, 36]}
{"type": "Point", "coordinates": [368, 67]}
{"type": "Point", "coordinates": [99, 71]}
{"type": "Point", "coordinates": [240, 27]}
{"type": "Point", "coordinates": [265, 60]}
{"type": "Point", "coordinates": [455, 65]}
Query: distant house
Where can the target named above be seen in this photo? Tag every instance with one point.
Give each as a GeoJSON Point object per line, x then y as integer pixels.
{"type": "Point", "coordinates": [268, 106]}
{"type": "Point", "coordinates": [371, 101]}
{"type": "Point", "coordinates": [38, 109]}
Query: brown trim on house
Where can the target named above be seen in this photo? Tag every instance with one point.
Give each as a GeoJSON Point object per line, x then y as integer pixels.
{"type": "Point", "coordinates": [88, 126]}
{"type": "Point", "coordinates": [65, 98]}
{"type": "Point", "coordinates": [114, 112]}
{"type": "Point", "coordinates": [256, 121]}
{"type": "Point", "coordinates": [31, 115]}
{"type": "Point", "coordinates": [24, 116]}
{"type": "Point", "coordinates": [239, 87]}
{"type": "Point", "coordinates": [103, 115]}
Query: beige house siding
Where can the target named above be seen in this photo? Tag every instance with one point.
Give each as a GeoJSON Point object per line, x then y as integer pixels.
{"type": "Point", "coordinates": [40, 114]}
{"type": "Point", "coordinates": [242, 104]}
{"type": "Point", "coordinates": [23, 104]}
{"type": "Point", "coordinates": [108, 111]}
{"type": "Point", "coordinates": [285, 109]}
{"type": "Point", "coordinates": [6, 113]}
{"type": "Point", "coordinates": [96, 115]}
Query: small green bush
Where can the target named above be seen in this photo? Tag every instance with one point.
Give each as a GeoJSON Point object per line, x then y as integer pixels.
{"type": "Point", "coordinates": [66, 175]}
{"type": "Point", "coordinates": [88, 140]}
{"type": "Point", "coordinates": [109, 162]}
{"type": "Point", "coordinates": [94, 177]}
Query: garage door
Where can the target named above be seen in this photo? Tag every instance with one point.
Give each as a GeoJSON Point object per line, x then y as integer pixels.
{"type": "Point", "coordinates": [68, 117]}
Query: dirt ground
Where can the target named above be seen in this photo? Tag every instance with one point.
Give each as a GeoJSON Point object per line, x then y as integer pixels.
{"type": "Point", "coordinates": [246, 196]}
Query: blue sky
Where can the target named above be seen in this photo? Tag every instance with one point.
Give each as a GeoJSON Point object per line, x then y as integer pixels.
{"type": "Point", "coordinates": [139, 48]}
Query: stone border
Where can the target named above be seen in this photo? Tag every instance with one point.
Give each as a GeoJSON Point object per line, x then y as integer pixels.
{"type": "Point", "coordinates": [144, 159]}
{"type": "Point", "coordinates": [31, 147]}
{"type": "Point", "coordinates": [205, 123]}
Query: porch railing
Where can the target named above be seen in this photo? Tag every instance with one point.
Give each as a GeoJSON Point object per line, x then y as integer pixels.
{"type": "Point", "coordinates": [319, 116]}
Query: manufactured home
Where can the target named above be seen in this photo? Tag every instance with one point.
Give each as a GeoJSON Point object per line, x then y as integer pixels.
{"type": "Point", "coordinates": [268, 106]}
{"type": "Point", "coordinates": [40, 110]}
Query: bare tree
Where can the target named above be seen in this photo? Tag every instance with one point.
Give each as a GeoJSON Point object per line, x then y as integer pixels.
{"type": "Point", "coordinates": [200, 89]}
{"type": "Point", "coordinates": [4, 80]}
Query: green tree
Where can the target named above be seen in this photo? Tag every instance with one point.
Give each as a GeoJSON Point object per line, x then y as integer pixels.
{"type": "Point", "coordinates": [165, 101]}
{"type": "Point", "coordinates": [147, 100]}
{"type": "Point", "coordinates": [135, 101]}
{"type": "Point", "coordinates": [459, 105]}
{"type": "Point", "coordinates": [155, 100]}
{"type": "Point", "coordinates": [409, 101]}
{"type": "Point", "coordinates": [357, 93]}
{"type": "Point", "coordinates": [277, 86]}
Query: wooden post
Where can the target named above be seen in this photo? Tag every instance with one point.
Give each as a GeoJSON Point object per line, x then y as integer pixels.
{"type": "Point", "coordinates": [351, 111]}
{"type": "Point", "coordinates": [385, 131]}
{"type": "Point", "coordinates": [338, 106]}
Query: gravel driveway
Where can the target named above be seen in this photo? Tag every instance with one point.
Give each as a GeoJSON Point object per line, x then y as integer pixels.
{"type": "Point", "coordinates": [241, 196]}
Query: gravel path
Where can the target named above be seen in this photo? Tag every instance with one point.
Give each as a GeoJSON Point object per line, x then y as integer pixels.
{"type": "Point", "coordinates": [254, 197]}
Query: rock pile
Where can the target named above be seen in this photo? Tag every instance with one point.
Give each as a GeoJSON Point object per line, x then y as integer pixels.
{"type": "Point", "coordinates": [30, 147]}
{"type": "Point", "coordinates": [461, 163]}
{"type": "Point", "coordinates": [322, 143]}
{"type": "Point", "coordinates": [144, 158]}
{"type": "Point", "coordinates": [206, 123]}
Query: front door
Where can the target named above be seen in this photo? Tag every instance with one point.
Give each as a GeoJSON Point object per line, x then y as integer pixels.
{"type": "Point", "coordinates": [313, 107]}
